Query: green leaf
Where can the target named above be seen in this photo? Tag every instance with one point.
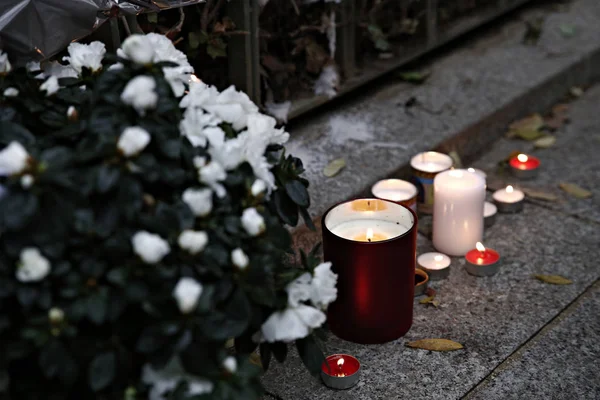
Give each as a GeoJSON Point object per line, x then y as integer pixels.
{"type": "Point", "coordinates": [97, 305]}
{"type": "Point", "coordinates": [108, 177]}
{"type": "Point", "coordinates": [298, 193]}
{"type": "Point", "coordinates": [567, 30]}
{"type": "Point", "coordinates": [553, 279]}
{"type": "Point", "coordinates": [150, 340]}
{"type": "Point", "coordinates": [311, 354]}
{"type": "Point", "coordinates": [217, 49]}
{"type": "Point", "coordinates": [265, 356]}
{"type": "Point", "coordinates": [285, 208]}
{"type": "Point", "coordinates": [414, 76]}
{"type": "Point", "coordinates": [232, 322]}
{"type": "Point", "coordinates": [152, 18]}
{"type": "Point", "coordinates": [193, 40]}
{"type": "Point", "coordinates": [279, 350]}
{"type": "Point", "coordinates": [51, 357]}
{"type": "Point", "coordinates": [17, 210]}
{"type": "Point", "coordinates": [575, 190]}
{"type": "Point", "coordinates": [102, 371]}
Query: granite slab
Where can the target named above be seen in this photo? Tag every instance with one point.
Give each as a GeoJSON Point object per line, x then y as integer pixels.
{"type": "Point", "coordinates": [491, 316]}
{"type": "Point", "coordinates": [561, 363]}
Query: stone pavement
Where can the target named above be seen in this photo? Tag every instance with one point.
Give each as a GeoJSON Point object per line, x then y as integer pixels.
{"type": "Point", "coordinates": [523, 339]}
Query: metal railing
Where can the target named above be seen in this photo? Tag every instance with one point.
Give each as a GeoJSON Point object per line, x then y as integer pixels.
{"type": "Point", "coordinates": [437, 26]}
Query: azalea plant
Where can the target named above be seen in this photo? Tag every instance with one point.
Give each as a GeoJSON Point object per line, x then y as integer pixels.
{"type": "Point", "coordinates": [142, 227]}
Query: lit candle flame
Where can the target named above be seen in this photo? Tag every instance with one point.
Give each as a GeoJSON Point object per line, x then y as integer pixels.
{"type": "Point", "coordinates": [522, 158]}
{"type": "Point", "coordinates": [340, 362]}
{"type": "Point", "coordinates": [369, 238]}
{"type": "Point", "coordinates": [471, 169]}
{"type": "Point", "coordinates": [509, 189]}
{"type": "Point", "coordinates": [438, 258]}
{"type": "Point", "coordinates": [479, 246]}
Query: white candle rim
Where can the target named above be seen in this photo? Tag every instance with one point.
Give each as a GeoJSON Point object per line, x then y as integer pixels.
{"type": "Point", "coordinates": [433, 254]}
{"type": "Point", "coordinates": [409, 229]}
{"type": "Point", "coordinates": [489, 206]}
{"type": "Point", "coordinates": [441, 158]}
{"type": "Point", "coordinates": [402, 184]}
{"type": "Point", "coordinates": [515, 192]}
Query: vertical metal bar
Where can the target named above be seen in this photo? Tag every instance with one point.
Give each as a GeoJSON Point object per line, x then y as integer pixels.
{"type": "Point", "coordinates": [243, 50]}
{"type": "Point", "coordinates": [432, 22]}
{"type": "Point", "coordinates": [346, 37]}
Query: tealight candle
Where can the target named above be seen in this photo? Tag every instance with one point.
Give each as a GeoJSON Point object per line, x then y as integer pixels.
{"type": "Point", "coordinates": [458, 211]}
{"type": "Point", "coordinates": [478, 172]}
{"type": "Point", "coordinates": [524, 166]}
{"type": "Point", "coordinates": [398, 191]}
{"type": "Point", "coordinates": [425, 166]}
{"type": "Point", "coordinates": [489, 214]}
{"type": "Point", "coordinates": [509, 200]}
{"type": "Point", "coordinates": [340, 371]}
{"type": "Point", "coordinates": [372, 246]}
{"type": "Point", "coordinates": [437, 265]}
{"type": "Point", "coordinates": [482, 261]}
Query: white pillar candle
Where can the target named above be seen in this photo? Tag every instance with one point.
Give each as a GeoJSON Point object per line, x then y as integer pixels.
{"type": "Point", "coordinates": [458, 211]}
{"type": "Point", "coordinates": [478, 172]}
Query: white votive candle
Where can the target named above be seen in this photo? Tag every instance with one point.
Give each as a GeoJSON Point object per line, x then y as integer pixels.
{"type": "Point", "coordinates": [489, 213]}
{"type": "Point", "coordinates": [509, 199]}
{"type": "Point", "coordinates": [425, 166]}
{"type": "Point", "coordinates": [398, 191]}
{"type": "Point", "coordinates": [435, 264]}
{"type": "Point", "coordinates": [458, 211]}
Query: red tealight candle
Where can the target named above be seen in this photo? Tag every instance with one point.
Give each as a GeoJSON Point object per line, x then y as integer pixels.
{"type": "Point", "coordinates": [340, 371]}
{"type": "Point", "coordinates": [524, 166]}
{"type": "Point", "coordinates": [482, 261]}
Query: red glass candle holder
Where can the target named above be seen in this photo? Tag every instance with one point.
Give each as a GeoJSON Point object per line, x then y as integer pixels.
{"type": "Point", "coordinates": [524, 166]}
{"type": "Point", "coordinates": [372, 246]}
{"type": "Point", "coordinates": [340, 371]}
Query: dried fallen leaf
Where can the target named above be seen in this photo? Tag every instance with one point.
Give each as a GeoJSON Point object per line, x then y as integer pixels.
{"type": "Point", "coordinates": [255, 359]}
{"type": "Point", "coordinates": [414, 76]}
{"type": "Point", "coordinates": [567, 30]}
{"type": "Point", "coordinates": [435, 345]}
{"type": "Point", "coordinates": [534, 30]}
{"type": "Point", "coordinates": [553, 279]}
{"type": "Point", "coordinates": [528, 134]}
{"type": "Point", "coordinates": [545, 142]}
{"type": "Point", "coordinates": [430, 300]}
{"type": "Point", "coordinates": [527, 128]}
{"type": "Point", "coordinates": [575, 190]}
{"type": "Point", "coordinates": [457, 162]}
{"type": "Point", "coordinates": [430, 292]}
{"type": "Point", "coordinates": [576, 91]}
{"type": "Point", "coordinates": [540, 195]}
{"type": "Point", "coordinates": [334, 167]}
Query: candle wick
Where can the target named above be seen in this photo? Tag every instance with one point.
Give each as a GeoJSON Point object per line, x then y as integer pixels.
{"type": "Point", "coordinates": [369, 239]}
{"type": "Point", "coordinates": [369, 203]}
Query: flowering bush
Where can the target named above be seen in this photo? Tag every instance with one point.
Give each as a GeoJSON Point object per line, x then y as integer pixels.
{"type": "Point", "coordinates": [141, 228]}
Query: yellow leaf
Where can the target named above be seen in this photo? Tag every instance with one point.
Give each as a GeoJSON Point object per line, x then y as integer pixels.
{"type": "Point", "coordinates": [255, 359]}
{"type": "Point", "coordinates": [435, 345]}
{"type": "Point", "coordinates": [553, 279]}
{"type": "Point", "coordinates": [576, 91]}
{"type": "Point", "coordinates": [528, 134]}
{"type": "Point", "coordinates": [575, 190]}
{"type": "Point", "coordinates": [545, 142]}
{"type": "Point", "coordinates": [534, 122]}
{"type": "Point", "coordinates": [427, 300]}
{"type": "Point", "coordinates": [540, 195]}
{"type": "Point", "coordinates": [334, 167]}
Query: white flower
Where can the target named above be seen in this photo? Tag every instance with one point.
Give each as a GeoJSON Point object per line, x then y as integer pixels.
{"type": "Point", "coordinates": [51, 86]}
{"type": "Point", "coordinates": [199, 94]}
{"type": "Point", "coordinates": [26, 181]}
{"type": "Point", "coordinates": [178, 78]}
{"type": "Point", "coordinates": [239, 258]}
{"type": "Point", "coordinates": [253, 222]}
{"type": "Point", "coordinates": [166, 379]}
{"type": "Point", "coordinates": [232, 106]}
{"type": "Point", "coordinates": [261, 129]}
{"type": "Point", "coordinates": [138, 49]}
{"type": "Point", "coordinates": [150, 247]}
{"type": "Point", "coordinates": [328, 82]}
{"type": "Point", "coordinates": [86, 56]}
{"type": "Point", "coordinates": [230, 364]}
{"type": "Point", "coordinates": [279, 110]}
{"type": "Point", "coordinates": [33, 66]}
{"type": "Point", "coordinates": [323, 286]}
{"type": "Point", "coordinates": [133, 140]}
{"type": "Point", "coordinates": [5, 66]}
{"type": "Point", "coordinates": [116, 67]}
{"type": "Point", "coordinates": [54, 68]}
{"type": "Point", "coordinates": [72, 114]}
{"type": "Point", "coordinates": [231, 153]}
{"type": "Point", "coordinates": [193, 241]}
{"type": "Point", "coordinates": [139, 93]}
{"type": "Point", "coordinates": [299, 290]}
{"type": "Point", "coordinates": [164, 50]}
{"type": "Point", "coordinates": [11, 92]}
{"type": "Point", "coordinates": [258, 187]}
{"type": "Point", "coordinates": [291, 324]}
{"type": "Point", "coordinates": [187, 293]}
{"type": "Point", "coordinates": [56, 315]}
{"type": "Point", "coordinates": [199, 201]}
{"type": "Point", "coordinates": [33, 266]}
{"type": "Point", "coordinates": [211, 174]}
{"type": "Point", "coordinates": [13, 159]}
{"type": "Point", "coordinates": [195, 126]}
